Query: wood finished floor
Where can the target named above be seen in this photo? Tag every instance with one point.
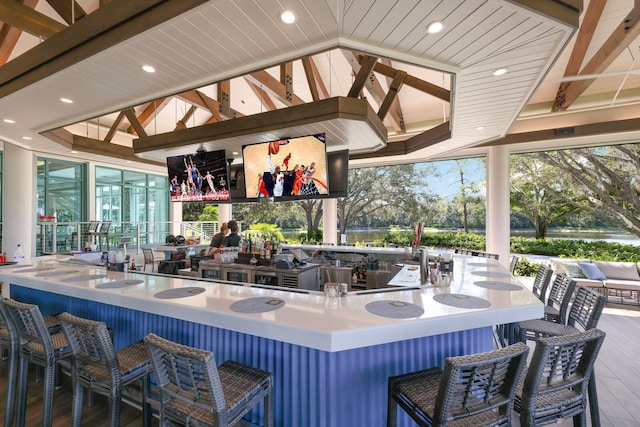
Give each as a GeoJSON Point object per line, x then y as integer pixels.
{"type": "Point", "coordinates": [617, 371]}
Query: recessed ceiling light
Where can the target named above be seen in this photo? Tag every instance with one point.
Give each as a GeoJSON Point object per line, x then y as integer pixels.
{"type": "Point", "coordinates": [27, 138]}
{"type": "Point", "coordinates": [235, 153]}
{"type": "Point", "coordinates": [288, 17]}
{"type": "Point", "coordinates": [9, 121]}
{"type": "Point", "coordinates": [480, 128]}
{"type": "Point", "coordinates": [435, 27]}
{"type": "Point", "coordinates": [66, 100]}
{"type": "Point", "coordinates": [499, 71]}
{"type": "Point", "coordinates": [148, 69]}
{"type": "Point", "coordinates": [74, 152]}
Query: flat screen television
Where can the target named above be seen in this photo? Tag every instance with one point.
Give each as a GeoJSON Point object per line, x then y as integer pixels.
{"type": "Point", "coordinates": [198, 177]}
{"type": "Point", "coordinates": [292, 168]}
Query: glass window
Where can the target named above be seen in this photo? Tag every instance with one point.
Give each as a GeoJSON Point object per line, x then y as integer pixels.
{"type": "Point", "coordinates": [133, 200]}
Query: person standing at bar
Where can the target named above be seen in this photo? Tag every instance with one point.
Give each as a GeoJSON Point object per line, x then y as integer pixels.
{"type": "Point", "coordinates": [233, 239]}
{"type": "Point", "coordinates": [217, 239]}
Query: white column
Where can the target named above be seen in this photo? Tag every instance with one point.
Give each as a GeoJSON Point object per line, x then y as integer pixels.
{"type": "Point", "coordinates": [175, 216]}
{"type": "Point", "coordinates": [330, 221]}
{"type": "Point", "coordinates": [498, 209]}
{"type": "Point", "coordinates": [19, 201]}
{"type": "Point", "coordinates": [224, 212]}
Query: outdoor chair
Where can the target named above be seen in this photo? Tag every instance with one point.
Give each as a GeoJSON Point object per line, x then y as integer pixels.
{"type": "Point", "coordinates": [40, 347]}
{"type": "Point", "coordinates": [103, 233]}
{"type": "Point", "coordinates": [97, 367]}
{"type": "Point", "coordinates": [559, 297]}
{"type": "Point", "coordinates": [585, 313]}
{"type": "Point", "coordinates": [90, 234]}
{"type": "Point", "coordinates": [193, 391]}
{"type": "Point", "coordinates": [472, 390]}
{"type": "Point", "coordinates": [9, 341]}
{"type": "Point", "coordinates": [558, 380]}
{"type": "Point", "coordinates": [541, 282]}
{"type": "Point", "coordinates": [149, 259]}
{"type": "Point", "coordinates": [513, 263]}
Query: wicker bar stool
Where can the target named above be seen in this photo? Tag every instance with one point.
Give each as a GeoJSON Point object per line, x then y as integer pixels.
{"type": "Point", "coordinates": [473, 390]}
{"type": "Point", "coordinates": [584, 314]}
{"type": "Point", "coordinates": [97, 367]}
{"type": "Point", "coordinates": [9, 340]}
{"type": "Point", "coordinates": [194, 392]}
{"type": "Point", "coordinates": [558, 379]}
{"type": "Point", "coordinates": [40, 347]}
{"type": "Point", "coordinates": [560, 295]}
{"type": "Point", "coordinates": [541, 282]}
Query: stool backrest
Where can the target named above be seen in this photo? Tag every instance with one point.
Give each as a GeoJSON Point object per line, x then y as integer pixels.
{"type": "Point", "coordinates": [586, 308]}
{"type": "Point", "coordinates": [148, 255]}
{"type": "Point", "coordinates": [91, 346]}
{"type": "Point", "coordinates": [186, 373]}
{"type": "Point", "coordinates": [480, 382]}
{"type": "Point", "coordinates": [29, 324]}
{"type": "Point", "coordinates": [561, 363]}
{"type": "Point", "coordinates": [541, 282]}
{"type": "Point", "coordinates": [560, 294]}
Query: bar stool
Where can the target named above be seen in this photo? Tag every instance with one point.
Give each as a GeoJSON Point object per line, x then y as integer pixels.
{"type": "Point", "coordinates": [478, 389]}
{"type": "Point", "coordinates": [559, 379]}
{"type": "Point", "coordinates": [97, 367]}
{"type": "Point", "coordinates": [193, 391]}
{"type": "Point", "coordinates": [9, 340]}
{"type": "Point", "coordinates": [40, 347]}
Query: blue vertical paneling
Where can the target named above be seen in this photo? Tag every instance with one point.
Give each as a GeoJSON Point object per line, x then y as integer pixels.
{"type": "Point", "coordinates": [313, 388]}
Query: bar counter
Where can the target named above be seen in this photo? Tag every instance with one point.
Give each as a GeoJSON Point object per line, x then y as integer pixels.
{"type": "Point", "coordinates": [330, 356]}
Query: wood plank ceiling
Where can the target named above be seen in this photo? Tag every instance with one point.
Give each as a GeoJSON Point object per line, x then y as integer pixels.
{"type": "Point", "coordinates": [228, 65]}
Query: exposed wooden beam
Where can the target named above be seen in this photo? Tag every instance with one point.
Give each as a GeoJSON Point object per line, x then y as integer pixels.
{"type": "Point", "coordinates": [619, 40]}
{"type": "Point", "coordinates": [263, 96]}
{"type": "Point", "coordinates": [277, 120]}
{"type": "Point", "coordinates": [26, 19]}
{"type": "Point", "coordinates": [311, 78]}
{"type": "Point", "coordinates": [414, 82]}
{"type": "Point", "coordinates": [206, 102]}
{"type": "Point", "coordinates": [425, 139]}
{"type": "Point", "coordinates": [276, 89]}
{"type": "Point", "coordinates": [109, 25]}
{"type": "Point", "coordinates": [583, 40]}
{"type": "Point", "coordinates": [395, 109]}
{"type": "Point", "coordinates": [95, 146]}
{"type": "Point", "coordinates": [581, 131]}
{"type": "Point", "coordinates": [366, 68]}
{"type": "Point", "coordinates": [114, 127]}
{"type": "Point", "coordinates": [224, 97]}
{"type": "Point", "coordinates": [286, 79]}
{"type": "Point", "coordinates": [131, 116]}
{"type": "Point", "coordinates": [376, 91]}
{"type": "Point", "coordinates": [394, 88]}
{"type": "Point", "coordinates": [60, 136]}
{"type": "Point", "coordinates": [150, 111]}
{"type": "Point", "coordinates": [9, 36]}
{"type": "Point", "coordinates": [182, 123]}
{"type": "Point", "coordinates": [322, 88]}
{"type": "Point", "coordinates": [70, 11]}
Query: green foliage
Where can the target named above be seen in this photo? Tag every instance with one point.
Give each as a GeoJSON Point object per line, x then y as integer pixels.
{"type": "Point", "coordinates": [563, 248]}
{"type": "Point", "coordinates": [264, 230]}
{"type": "Point", "coordinates": [209, 213]}
{"type": "Point", "coordinates": [313, 236]}
{"type": "Point", "coordinates": [526, 267]}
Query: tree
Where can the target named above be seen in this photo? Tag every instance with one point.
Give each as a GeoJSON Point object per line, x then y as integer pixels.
{"type": "Point", "coordinates": [313, 213]}
{"type": "Point", "coordinates": [372, 191]}
{"type": "Point", "coordinates": [536, 192]}
{"type": "Point", "coordinates": [604, 181]}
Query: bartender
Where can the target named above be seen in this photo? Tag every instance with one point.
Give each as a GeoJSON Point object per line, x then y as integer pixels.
{"type": "Point", "coordinates": [217, 239]}
{"type": "Point", "coordinates": [233, 239]}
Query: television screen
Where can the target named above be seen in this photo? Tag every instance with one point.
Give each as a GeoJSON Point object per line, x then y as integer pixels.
{"type": "Point", "coordinates": [198, 177]}
{"type": "Point", "coordinates": [292, 168]}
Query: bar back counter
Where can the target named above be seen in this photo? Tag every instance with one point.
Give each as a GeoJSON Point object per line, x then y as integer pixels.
{"type": "Point", "coordinates": [330, 357]}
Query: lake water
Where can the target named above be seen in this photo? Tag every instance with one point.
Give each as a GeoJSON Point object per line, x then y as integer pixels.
{"type": "Point", "coordinates": [371, 235]}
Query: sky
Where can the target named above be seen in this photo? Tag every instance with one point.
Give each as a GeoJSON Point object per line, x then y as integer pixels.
{"type": "Point", "coordinates": [447, 185]}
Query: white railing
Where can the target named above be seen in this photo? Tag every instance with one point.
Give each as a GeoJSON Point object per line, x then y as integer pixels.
{"type": "Point", "coordinates": [64, 237]}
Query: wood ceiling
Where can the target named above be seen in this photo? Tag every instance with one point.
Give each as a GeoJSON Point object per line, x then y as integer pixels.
{"type": "Point", "coordinates": [227, 70]}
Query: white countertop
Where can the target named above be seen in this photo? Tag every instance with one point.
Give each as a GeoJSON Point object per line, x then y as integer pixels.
{"type": "Point", "coordinates": [310, 320]}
